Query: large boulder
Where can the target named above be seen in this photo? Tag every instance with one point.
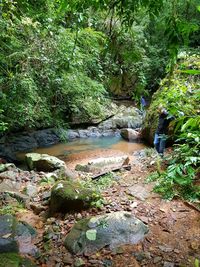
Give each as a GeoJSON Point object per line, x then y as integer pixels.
{"type": "Point", "coordinates": [70, 196]}
{"type": "Point", "coordinates": [127, 117]}
{"type": "Point", "coordinates": [115, 229]}
{"type": "Point", "coordinates": [106, 110]}
{"type": "Point", "coordinates": [130, 134]}
{"type": "Point", "coordinates": [44, 162]}
{"type": "Point", "coordinates": [11, 144]}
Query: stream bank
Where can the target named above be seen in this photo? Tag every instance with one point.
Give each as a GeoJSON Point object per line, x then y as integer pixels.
{"type": "Point", "coordinates": [125, 117]}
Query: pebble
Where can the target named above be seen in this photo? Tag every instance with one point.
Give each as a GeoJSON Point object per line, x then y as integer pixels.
{"type": "Point", "coordinates": [177, 251]}
{"type": "Point", "coordinates": [50, 220]}
{"type": "Point", "coordinates": [168, 264]}
{"type": "Point", "coordinates": [46, 195]}
{"type": "Point", "coordinates": [165, 248]}
{"type": "Point", "coordinates": [79, 262]}
{"type": "Point", "coordinates": [79, 216]}
{"type": "Point", "coordinates": [96, 262]}
{"type": "Point", "coordinates": [157, 259]}
{"type": "Point", "coordinates": [134, 205]}
{"type": "Point", "coordinates": [68, 258]}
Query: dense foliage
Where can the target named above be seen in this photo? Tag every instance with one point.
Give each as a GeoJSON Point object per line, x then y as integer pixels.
{"type": "Point", "coordinates": [180, 94]}
{"type": "Point", "coordinates": [44, 76]}
{"type": "Point", "coordinates": [60, 58]}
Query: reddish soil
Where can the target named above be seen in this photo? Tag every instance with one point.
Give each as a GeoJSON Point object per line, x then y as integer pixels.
{"type": "Point", "coordinates": [174, 227]}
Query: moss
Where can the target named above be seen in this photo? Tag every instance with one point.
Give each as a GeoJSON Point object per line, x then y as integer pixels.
{"type": "Point", "coordinates": [72, 190]}
{"type": "Point", "coordinates": [71, 195]}
{"type": "Point", "coordinates": [10, 260]}
{"type": "Point", "coordinates": [14, 260]}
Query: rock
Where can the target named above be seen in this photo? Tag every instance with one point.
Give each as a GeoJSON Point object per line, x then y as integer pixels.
{"type": "Point", "coordinates": [71, 195]}
{"type": "Point", "coordinates": [15, 236]}
{"type": "Point", "coordinates": [140, 256]}
{"type": "Point", "coordinates": [93, 132]}
{"type": "Point", "coordinates": [168, 264]}
{"type": "Point", "coordinates": [67, 259]}
{"type": "Point", "coordinates": [115, 229]}
{"type": "Point", "coordinates": [101, 163]}
{"type": "Point", "coordinates": [83, 133]}
{"type": "Point", "coordinates": [44, 162]}
{"type": "Point", "coordinates": [165, 248]}
{"type": "Point", "coordinates": [5, 167]}
{"type": "Point", "coordinates": [134, 204]}
{"type": "Point", "coordinates": [10, 175]}
{"type": "Point", "coordinates": [81, 117]}
{"type": "Point", "coordinates": [31, 190]}
{"type": "Point", "coordinates": [24, 234]}
{"type": "Point", "coordinates": [79, 262]}
{"type": "Point", "coordinates": [8, 186]}
{"type": "Point", "coordinates": [71, 134]}
{"type": "Point", "coordinates": [157, 259]}
{"type": "Point", "coordinates": [130, 134]}
{"type": "Point", "coordinates": [109, 132]}
{"type": "Point", "coordinates": [46, 137]}
{"type": "Point", "coordinates": [138, 191]}
{"type": "Point", "coordinates": [46, 195]}
{"type": "Point", "coordinates": [37, 208]}
{"type": "Point", "coordinates": [125, 118]}
{"type": "Point", "coordinates": [16, 197]}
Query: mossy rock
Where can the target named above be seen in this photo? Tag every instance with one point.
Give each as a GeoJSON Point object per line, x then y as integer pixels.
{"type": "Point", "coordinates": [71, 196]}
{"type": "Point", "coordinates": [44, 162]}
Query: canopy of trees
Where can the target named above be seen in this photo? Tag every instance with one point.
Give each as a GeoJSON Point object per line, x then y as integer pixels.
{"type": "Point", "coordinates": [57, 57]}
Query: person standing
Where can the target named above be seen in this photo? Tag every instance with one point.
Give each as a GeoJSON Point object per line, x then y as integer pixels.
{"type": "Point", "coordinates": [162, 130]}
{"type": "Point", "coordinates": [143, 103]}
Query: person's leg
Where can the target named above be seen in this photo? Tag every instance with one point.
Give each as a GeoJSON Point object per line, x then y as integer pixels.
{"type": "Point", "coordinates": [162, 144]}
{"type": "Point", "coordinates": [156, 142]}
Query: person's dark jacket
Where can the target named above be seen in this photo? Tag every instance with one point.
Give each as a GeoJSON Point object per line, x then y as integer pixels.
{"type": "Point", "coordinates": [163, 123]}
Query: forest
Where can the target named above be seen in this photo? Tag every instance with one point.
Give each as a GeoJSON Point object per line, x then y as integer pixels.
{"type": "Point", "coordinates": [63, 67]}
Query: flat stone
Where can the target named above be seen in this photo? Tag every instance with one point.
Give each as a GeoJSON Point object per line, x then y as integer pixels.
{"type": "Point", "coordinates": [168, 264]}
{"type": "Point", "coordinates": [139, 192]}
{"type": "Point", "coordinates": [31, 190]}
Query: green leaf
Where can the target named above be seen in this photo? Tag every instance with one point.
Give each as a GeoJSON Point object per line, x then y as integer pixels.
{"type": "Point", "coordinates": [196, 263]}
{"type": "Point", "coordinates": [192, 72]}
{"type": "Point", "coordinates": [182, 180]}
{"type": "Point", "coordinates": [91, 234]}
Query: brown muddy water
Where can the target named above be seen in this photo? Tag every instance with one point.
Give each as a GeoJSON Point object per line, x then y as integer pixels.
{"type": "Point", "coordinates": [91, 148]}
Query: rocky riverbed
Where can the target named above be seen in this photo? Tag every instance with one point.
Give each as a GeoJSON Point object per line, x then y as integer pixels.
{"type": "Point", "coordinates": [167, 233]}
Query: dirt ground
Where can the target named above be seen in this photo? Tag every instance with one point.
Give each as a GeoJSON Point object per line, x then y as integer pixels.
{"type": "Point", "coordinates": [174, 227]}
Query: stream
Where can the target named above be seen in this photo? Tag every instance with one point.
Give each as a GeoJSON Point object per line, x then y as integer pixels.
{"type": "Point", "coordinates": [81, 149]}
